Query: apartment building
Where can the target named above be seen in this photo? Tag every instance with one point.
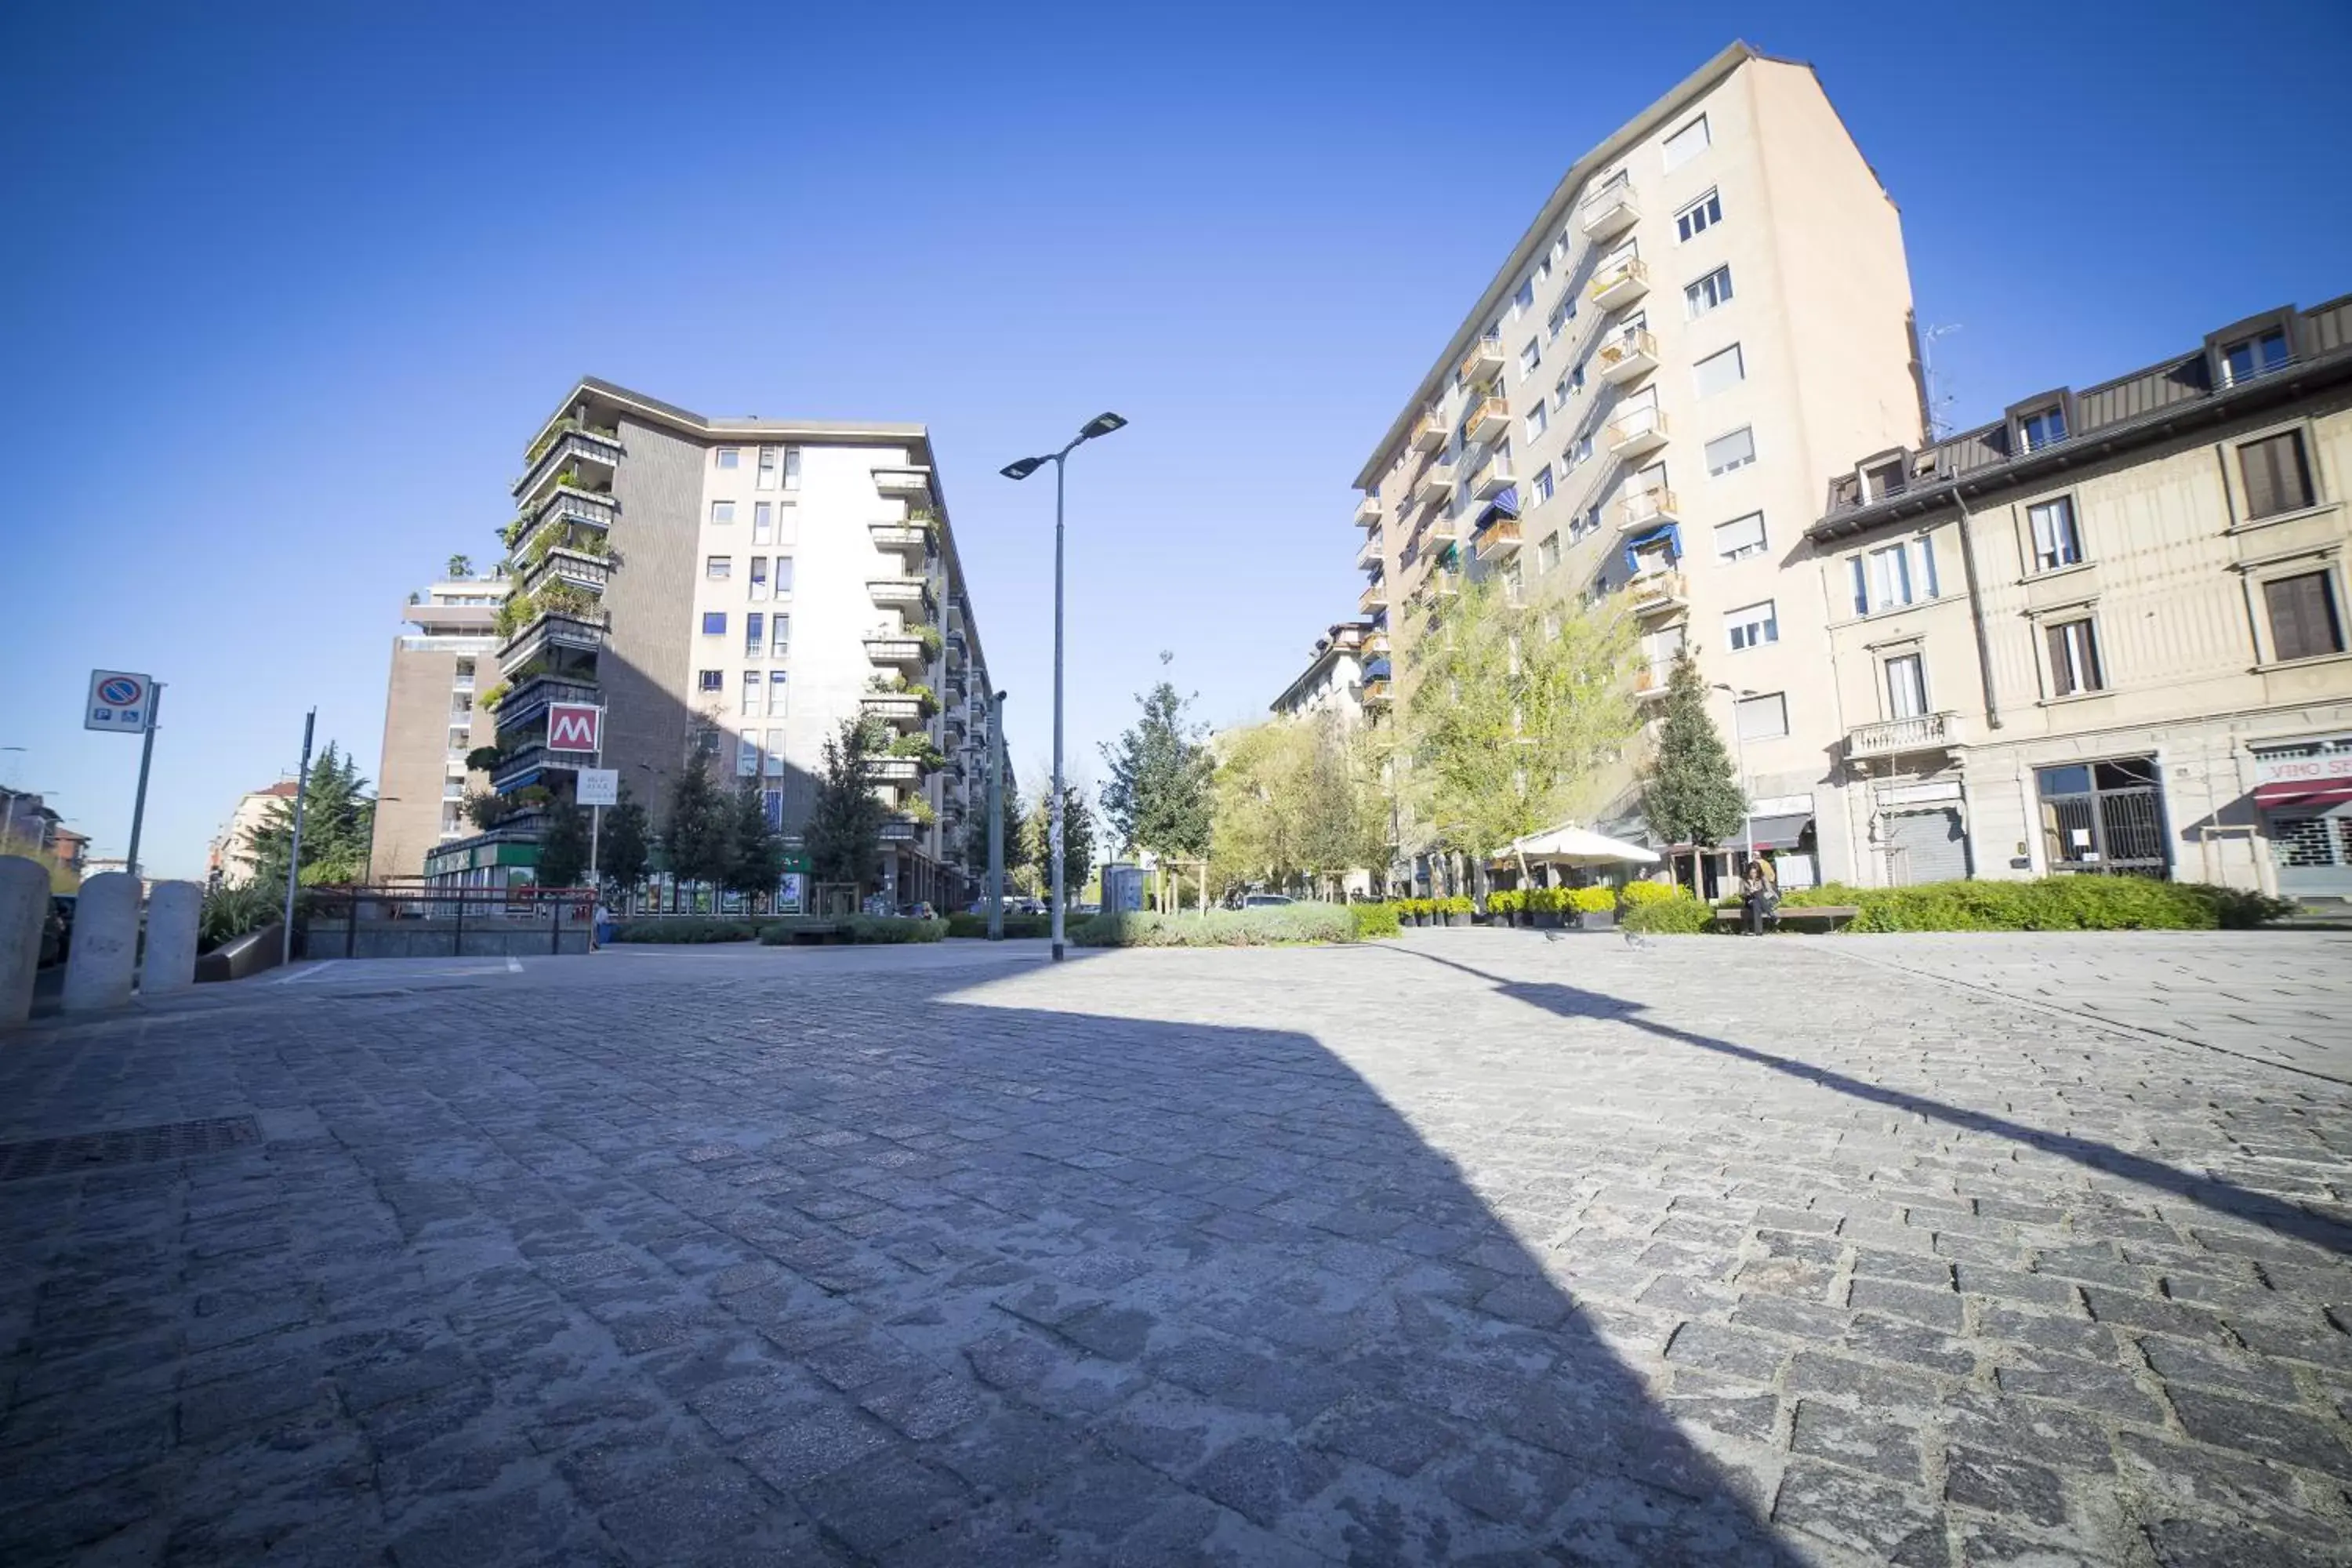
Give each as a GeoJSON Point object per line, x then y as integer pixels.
{"type": "Point", "coordinates": [1709, 316]}
{"type": "Point", "coordinates": [1347, 674]}
{"type": "Point", "coordinates": [739, 587]}
{"type": "Point", "coordinates": [2108, 632]}
{"type": "Point", "coordinates": [431, 720]}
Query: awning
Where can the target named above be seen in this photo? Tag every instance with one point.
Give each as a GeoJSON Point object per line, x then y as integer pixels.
{"type": "Point", "coordinates": [1671, 532]}
{"type": "Point", "coordinates": [1779, 832]}
{"type": "Point", "coordinates": [1505, 505]}
{"type": "Point", "coordinates": [1573, 844]}
{"type": "Point", "coordinates": [2303, 793]}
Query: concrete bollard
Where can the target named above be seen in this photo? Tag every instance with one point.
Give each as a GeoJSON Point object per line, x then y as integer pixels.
{"type": "Point", "coordinates": [105, 943]}
{"type": "Point", "coordinates": [24, 905]}
{"type": "Point", "coordinates": [170, 964]}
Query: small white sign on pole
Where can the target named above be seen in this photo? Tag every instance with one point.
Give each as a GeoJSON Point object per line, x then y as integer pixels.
{"type": "Point", "coordinates": [119, 701]}
{"type": "Point", "coordinates": [599, 786]}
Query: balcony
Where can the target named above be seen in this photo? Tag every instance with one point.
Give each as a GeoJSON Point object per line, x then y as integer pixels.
{"type": "Point", "coordinates": [1429, 431]}
{"type": "Point", "coordinates": [903, 710]}
{"type": "Point", "coordinates": [1658, 594]}
{"type": "Point", "coordinates": [1636, 433]}
{"type": "Point", "coordinates": [1376, 692]}
{"type": "Point", "coordinates": [1434, 484]}
{"type": "Point", "coordinates": [906, 655]}
{"type": "Point", "coordinates": [527, 699]}
{"type": "Point", "coordinates": [1650, 681]}
{"type": "Point", "coordinates": [549, 631]}
{"type": "Point", "coordinates": [1442, 531]}
{"type": "Point", "coordinates": [566, 504]}
{"type": "Point", "coordinates": [1620, 285]}
{"type": "Point", "coordinates": [900, 593]}
{"type": "Point", "coordinates": [900, 830]}
{"type": "Point", "coordinates": [1375, 596]}
{"type": "Point", "coordinates": [527, 764]}
{"type": "Point", "coordinates": [1492, 477]}
{"type": "Point", "coordinates": [908, 483]}
{"type": "Point", "coordinates": [1368, 512]}
{"type": "Point", "coordinates": [1485, 358]}
{"type": "Point", "coordinates": [911, 542]}
{"type": "Point", "coordinates": [1375, 643]}
{"type": "Point", "coordinates": [1499, 540]}
{"type": "Point", "coordinates": [894, 770]}
{"type": "Point", "coordinates": [565, 565]}
{"type": "Point", "coordinates": [1489, 417]}
{"type": "Point", "coordinates": [1370, 555]}
{"type": "Point", "coordinates": [1627, 356]}
{"type": "Point", "coordinates": [1647, 508]}
{"type": "Point", "coordinates": [591, 453]}
{"type": "Point", "coordinates": [1892, 737]}
{"type": "Point", "coordinates": [1609, 211]}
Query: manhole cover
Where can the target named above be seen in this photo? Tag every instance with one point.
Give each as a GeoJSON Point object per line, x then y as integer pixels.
{"type": "Point", "coordinates": [125, 1146]}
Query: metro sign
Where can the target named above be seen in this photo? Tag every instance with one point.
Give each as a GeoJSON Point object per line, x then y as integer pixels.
{"type": "Point", "coordinates": [574, 727]}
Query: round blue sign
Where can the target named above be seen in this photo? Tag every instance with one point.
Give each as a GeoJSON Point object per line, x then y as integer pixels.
{"type": "Point", "coordinates": [121, 691]}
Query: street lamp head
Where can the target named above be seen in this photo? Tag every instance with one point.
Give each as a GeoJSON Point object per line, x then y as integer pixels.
{"type": "Point", "coordinates": [1101, 424]}
{"type": "Point", "coordinates": [1023, 469]}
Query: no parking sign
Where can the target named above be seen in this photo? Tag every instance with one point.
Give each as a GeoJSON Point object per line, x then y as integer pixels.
{"type": "Point", "coordinates": [120, 700]}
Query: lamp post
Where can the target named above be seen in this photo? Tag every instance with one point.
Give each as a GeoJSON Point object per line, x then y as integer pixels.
{"type": "Point", "coordinates": [1101, 424]}
{"type": "Point", "coordinates": [1740, 750]}
{"type": "Point", "coordinates": [996, 816]}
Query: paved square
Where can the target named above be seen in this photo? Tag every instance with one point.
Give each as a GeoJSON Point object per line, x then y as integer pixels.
{"type": "Point", "coordinates": [1474, 1246]}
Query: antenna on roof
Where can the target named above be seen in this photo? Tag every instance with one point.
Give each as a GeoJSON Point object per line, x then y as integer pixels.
{"type": "Point", "coordinates": [1937, 426]}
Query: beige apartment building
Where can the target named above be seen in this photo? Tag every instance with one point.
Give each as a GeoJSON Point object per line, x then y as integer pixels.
{"type": "Point", "coordinates": [1347, 674]}
{"type": "Point", "coordinates": [1709, 316]}
{"type": "Point", "coordinates": [230, 861]}
{"type": "Point", "coordinates": [2108, 632]}
{"type": "Point", "coordinates": [431, 720]}
{"type": "Point", "coordinates": [739, 587]}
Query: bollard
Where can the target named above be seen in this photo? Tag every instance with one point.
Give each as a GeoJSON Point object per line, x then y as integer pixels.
{"type": "Point", "coordinates": [170, 964]}
{"type": "Point", "coordinates": [105, 943]}
{"type": "Point", "coordinates": [24, 905]}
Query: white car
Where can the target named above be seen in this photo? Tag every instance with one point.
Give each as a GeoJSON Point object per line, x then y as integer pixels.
{"type": "Point", "coordinates": [1266, 901]}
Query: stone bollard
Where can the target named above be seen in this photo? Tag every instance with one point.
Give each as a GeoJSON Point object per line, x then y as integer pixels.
{"type": "Point", "coordinates": [23, 906]}
{"type": "Point", "coordinates": [105, 942]}
{"type": "Point", "coordinates": [170, 964]}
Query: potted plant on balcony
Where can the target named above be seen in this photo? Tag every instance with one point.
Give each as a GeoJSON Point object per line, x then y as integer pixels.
{"type": "Point", "coordinates": [1596, 907]}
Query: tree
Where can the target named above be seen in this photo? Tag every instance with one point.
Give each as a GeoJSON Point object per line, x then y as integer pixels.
{"type": "Point", "coordinates": [1077, 842]}
{"type": "Point", "coordinates": [697, 836]}
{"type": "Point", "coordinates": [338, 823]}
{"type": "Point", "coordinates": [759, 849]}
{"type": "Point", "coordinates": [1295, 799]}
{"type": "Point", "coordinates": [1158, 797]}
{"type": "Point", "coordinates": [622, 846]}
{"type": "Point", "coordinates": [563, 847]}
{"type": "Point", "coordinates": [1689, 793]}
{"type": "Point", "coordinates": [461, 566]}
{"type": "Point", "coordinates": [844, 835]}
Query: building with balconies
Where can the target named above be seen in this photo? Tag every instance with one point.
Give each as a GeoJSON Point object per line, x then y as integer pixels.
{"type": "Point", "coordinates": [733, 589]}
{"type": "Point", "coordinates": [433, 717]}
{"type": "Point", "coordinates": [1337, 673]}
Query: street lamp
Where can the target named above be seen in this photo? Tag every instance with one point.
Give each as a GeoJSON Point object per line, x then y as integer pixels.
{"type": "Point", "coordinates": [1739, 746]}
{"type": "Point", "coordinates": [1101, 424]}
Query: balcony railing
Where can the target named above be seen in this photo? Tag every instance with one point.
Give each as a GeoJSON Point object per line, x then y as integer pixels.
{"type": "Point", "coordinates": [563, 565]}
{"type": "Point", "coordinates": [1657, 593]}
{"type": "Point", "coordinates": [553, 629]}
{"type": "Point", "coordinates": [1485, 358]}
{"type": "Point", "coordinates": [898, 590]}
{"type": "Point", "coordinates": [894, 770]}
{"type": "Point", "coordinates": [1370, 555]}
{"type": "Point", "coordinates": [595, 450]}
{"type": "Point", "coordinates": [528, 696]}
{"type": "Point", "coordinates": [1492, 475]}
{"type": "Point", "coordinates": [1368, 512]}
{"type": "Point", "coordinates": [1637, 433]}
{"type": "Point", "coordinates": [1374, 596]}
{"type": "Point", "coordinates": [911, 482]}
{"type": "Point", "coordinates": [906, 538]}
{"type": "Point", "coordinates": [1429, 431]}
{"type": "Point", "coordinates": [892, 708]}
{"type": "Point", "coordinates": [1609, 211]}
{"type": "Point", "coordinates": [568, 504]}
{"type": "Point", "coordinates": [1376, 693]}
{"type": "Point", "coordinates": [1892, 737]}
{"type": "Point", "coordinates": [1650, 681]}
{"type": "Point", "coordinates": [1435, 483]}
{"type": "Point", "coordinates": [1498, 539]}
{"type": "Point", "coordinates": [524, 764]}
{"type": "Point", "coordinates": [1626, 356]}
{"type": "Point", "coordinates": [1489, 417]}
{"type": "Point", "coordinates": [906, 654]}
{"type": "Point", "coordinates": [1620, 285]}
{"type": "Point", "coordinates": [1644, 509]}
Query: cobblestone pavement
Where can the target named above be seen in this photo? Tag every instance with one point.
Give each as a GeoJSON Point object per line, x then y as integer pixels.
{"type": "Point", "coordinates": [1474, 1246]}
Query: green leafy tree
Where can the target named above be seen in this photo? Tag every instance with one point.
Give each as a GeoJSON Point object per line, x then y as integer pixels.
{"type": "Point", "coordinates": [1158, 797]}
{"type": "Point", "coordinates": [563, 847]}
{"type": "Point", "coordinates": [338, 822]}
{"type": "Point", "coordinates": [1077, 843]}
{"type": "Point", "coordinates": [461, 566]}
{"type": "Point", "coordinates": [1689, 791]}
{"type": "Point", "coordinates": [697, 836]}
{"type": "Point", "coordinates": [844, 835]}
{"type": "Point", "coordinates": [1295, 799]}
{"type": "Point", "coordinates": [759, 860]}
{"type": "Point", "coordinates": [623, 843]}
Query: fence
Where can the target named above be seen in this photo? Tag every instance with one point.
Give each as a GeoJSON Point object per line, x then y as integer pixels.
{"type": "Point", "coordinates": [413, 920]}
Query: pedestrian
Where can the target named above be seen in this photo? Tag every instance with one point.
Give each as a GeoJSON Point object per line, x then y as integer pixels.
{"type": "Point", "coordinates": [1759, 893]}
{"type": "Point", "coordinates": [603, 925]}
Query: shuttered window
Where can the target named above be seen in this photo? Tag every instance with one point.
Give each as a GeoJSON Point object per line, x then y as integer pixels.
{"type": "Point", "coordinates": [2073, 659]}
{"type": "Point", "coordinates": [2304, 619]}
{"type": "Point", "coordinates": [2278, 479]}
{"type": "Point", "coordinates": [1762, 718]}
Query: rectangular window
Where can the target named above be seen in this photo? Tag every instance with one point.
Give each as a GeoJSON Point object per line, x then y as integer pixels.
{"type": "Point", "coordinates": [714, 623]}
{"type": "Point", "coordinates": [726, 457]}
{"type": "Point", "coordinates": [1562, 314]}
{"type": "Point", "coordinates": [752, 685]}
{"type": "Point", "coordinates": [780, 633]}
{"type": "Point", "coordinates": [712, 680]}
{"type": "Point", "coordinates": [767, 468]}
{"type": "Point", "coordinates": [1700, 215]}
{"type": "Point", "coordinates": [2278, 476]}
{"type": "Point", "coordinates": [1894, 575]}
{"type": "Point", "coordinates": [2304, 620]}
{"type": "Point", "coordinates": [791, 467]}
{"type": "Point", "coordinates": [776, 686]}
{"type": "Point", "coordinates": [1542, 483]}
{"type": "Point", "coordinates": [1577, 452]}
{"type": "Point", "coordinates": [1686, 144]}
{"type": "Point", "coordinates": [1736, 450]}
{"type": "Point", "coordinates": [784, 575]}
{"type": "Point", "coordinates": [2055, 542]}
{"type": "Point", "coordinates": [719, 568]}
{"type": "Point", "coordinates": [755, 634]}
{"type": "Point", "coordinates": [1720, 372]}
{"type": "Point", "coordinates": [2073, 659]}
{"type": "Point", "coordinates": [2043, 426]}
{"type": "Point", "coordinates": [1752, 626]}
{"type": "Point", "coordinates": [1588, 523]}
{"type": "Point", "coordinates": [1740, 538]}
{"type": "Point", "coordinates": [1537, 421]}
{"type": "Point", "coordinates": [763, 522]}
{"type": "Point", "coordinates": [775, 752]}
{"type": "Point", "coordinates": [1530, 356]}
{"type": "Point", "coordinates": [1547, 552]}
{"type": "Point", "coordinates": [1525, 299]}
{"type": "Point", "coordinates": [722, 511]}
{"type": "Point", "coordinates": [1708, 293]}
{"type": "Point", "coordinates": [1906, 687]}
{"type": "Point", "coordinates": [758, 578]}
{"type": "Point", "coordinates": [747, 754]}
{"type": "Point", "coordinates": [1763, 718]}
{"type": "Point", "coordinates": [2250, 357]}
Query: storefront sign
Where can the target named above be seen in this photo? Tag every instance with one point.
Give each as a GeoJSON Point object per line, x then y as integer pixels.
{"type": "Point", "coordinates": [2334, 767]}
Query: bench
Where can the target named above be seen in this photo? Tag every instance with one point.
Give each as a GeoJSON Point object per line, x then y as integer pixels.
{"type": "Point", "coordinates": [1827, 917]}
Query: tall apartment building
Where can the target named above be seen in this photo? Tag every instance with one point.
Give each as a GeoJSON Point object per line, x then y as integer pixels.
{"type": "Point", "coordinates": [2108, 632]}
{"type": "Point", "coordinates": [230, 860]}
{"type": "Point", "coordinates": [739, 587]}
{"type": "Point", "coordinates": [431, 720]}
{"type": "Point", "coordinates": [1710, 314]}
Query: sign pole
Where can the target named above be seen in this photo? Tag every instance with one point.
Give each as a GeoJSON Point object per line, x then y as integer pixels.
{"type": "Point", "coordinates": [294, 858]}
{"type": "Point", "coordinates": [146, 757]}
{"type": "Point", "coordinates": [596, 823]}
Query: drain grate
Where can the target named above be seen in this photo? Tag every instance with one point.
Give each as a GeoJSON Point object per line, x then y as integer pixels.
{"type": "Point", "coordinates": [125, 1146]}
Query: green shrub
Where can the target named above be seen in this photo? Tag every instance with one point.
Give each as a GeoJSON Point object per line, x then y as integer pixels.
{"type": "Point", "coordinates": [1676, 914]}
{"type": "Point", "coordinates": [1459, 904]}
{"type": "Point", "coordinates": [228, 913]}
{"type": "Point", "coordinates": [686, 928]}
{"type": "Point", "coordinates": [2051, 903]}
{"type": "Point", "coordinates": [1015, 925]}
{"type": "Point", "coordinates": [1220, 928]}
{"type": "Point", "coordinates": [1373, 921]}
{"type": "Point", "coordinates": [1593, 900]}
{"type": "Point", "coordinates": [1647, 892]}
{"type": "Point", "coordinates": [893, 928]}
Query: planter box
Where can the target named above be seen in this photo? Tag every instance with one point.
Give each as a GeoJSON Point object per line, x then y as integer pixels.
{"type": "Point", "coordinates": [1547, 920]}
{"type": "Point", "coordinates": [1596, 919]}
{"type": "Point", "coordinates": [1455, 920]}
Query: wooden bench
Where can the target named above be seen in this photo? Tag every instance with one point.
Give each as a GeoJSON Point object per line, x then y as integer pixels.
{"type": "Point", "coordinates": [1828, 917]}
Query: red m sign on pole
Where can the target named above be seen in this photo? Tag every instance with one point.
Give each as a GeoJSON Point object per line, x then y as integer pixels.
{"type": "Point", "coordinates": [574, 727]}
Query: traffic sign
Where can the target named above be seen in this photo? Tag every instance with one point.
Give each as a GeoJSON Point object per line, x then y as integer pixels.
{"type": "Point", "coordinates": [119, 702]}
{"type": "Point", "coordinates": [599, 786]}
{"type": "Point", "coordinates": [574, 727]}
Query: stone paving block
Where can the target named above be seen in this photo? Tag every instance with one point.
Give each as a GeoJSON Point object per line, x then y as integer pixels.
{"type": "Point", "coordinates": [1883, 1523]}
{"type": "Point", "coordinates": [2290, 1436]}
{"type": "Point", "coordinates": [1859, 1441]}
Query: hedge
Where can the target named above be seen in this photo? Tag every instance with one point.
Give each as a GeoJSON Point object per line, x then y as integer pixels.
{"type": "Point", "coordinates": [1373, 921]}
{"type": "Point", "coordinates": [1261, 927]}
{"type": "Point", "coordinates": [1015, 925]}
{"type": "Point", "coordinates": [1671, 911]}
{"type": "Point", "coordinates": [686, 928]}
{"type": "Point", "coordinates": [2053, 903]}
{"type": "Point", "coordinates": [883, 929]}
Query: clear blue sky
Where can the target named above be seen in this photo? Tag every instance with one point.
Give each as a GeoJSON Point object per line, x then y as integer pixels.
{"type": "Point", "coordinates": [283, 298]}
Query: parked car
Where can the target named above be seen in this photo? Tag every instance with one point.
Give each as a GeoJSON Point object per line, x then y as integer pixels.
{"type": "Point", "coordinates": [1266, 901]}
{"type": "Point", "coordinates": [920, 909]}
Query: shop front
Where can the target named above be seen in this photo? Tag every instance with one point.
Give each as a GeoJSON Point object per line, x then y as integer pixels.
{"type": "Point", "coordinates": [2304, 794]}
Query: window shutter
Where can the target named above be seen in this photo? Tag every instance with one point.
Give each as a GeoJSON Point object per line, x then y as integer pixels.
{"type": "Point", "coordinates": [2302, 616]}
{"type": "Point", "coordinates": [2277, 477]}
{"type": "Point", "coordinates": [2062, 668]}
{"type": "Point", "coordinates": [1861, 587]}
{"type": "Point", "coordinates": [2045, 544]}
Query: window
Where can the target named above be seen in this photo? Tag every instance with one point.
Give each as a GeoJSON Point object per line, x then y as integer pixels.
{"type": "Point", "coordinates": [1894, 575]}
{"type": "Point", "coordinates": [2278, 476]}
{"type": "Point", "coordinates": [776, 694]}
{"type": "Point", "coordinates": [1530, 356]}
{"type": "Point", "coordinates": [2074, 658]}
{"type": "Point", "coordinates": [2043, 426]}
{"type": "Point", "coordinates": [1562, 314]}
{"type": "Point", "coordinates": [1559, 392]}
{"type": "Point", "coordinates": [1907, 686]}
{"type": "Point", "coordinates": [1576, 452]}
{"type": "Point", "coordinates": [714, 623]}
{"type": "Point", "coordinates": [767, 468]}
{"type": "Point", "coordinates": [763, 522]}
{"type": "Point", "coordinates": [2304, 619]}
{"type": "Point", "coordinates": [747, 754]}
{"type": "Point", "coordinates": [755, 632]}
{"type": "Point", "coordinates": [1720, 372]}
{"type": "Point", "coordinates": [753, 684]}
{"type": "Point", "coordinates": [1708, 293]}
{"type": "Point", "coordinates": [1740, 538]}
{"type": "Point", "coordinates": [2055, 542]}
{"type": "Point", "coordinates": [1762, 718]}
{"type": "Point", "coordinates": [791, 467]}
{"type": "Point", "coordinates": [719, 568]}
{"type": "Point", "coordinates": [2250, 357]}
{"type": "Point", "coordinates": [788, 522]}
{"type": "Point", "coordinates": [776, 746]}
{"type": "Point", "coordinates": [1686, 144]}
{"type": "Point", "coordinates": [1537, 421]}
{"type": "Point", "coordinates": [722, 511]}
{"type": "Point", "coordinates": [1736, 450]}
{"type": "Point", "coordinates": [784, 575]}
{"type": "Point", "coordinates": [1547, 555]}
{"type": "Point", "coordinates": [1701, 215]}
{"type": "Point", "coordinates": [780, 633]}
{"type": "Point", "coordinates": [758, 578]}
{"type": "Point", "coordinates": [1589, 523]}
{"type": "Point", "coordinates": [1543, 484]}
{"type": "Point", "coordinates": [712, 680]}
{"type": "Point", "coordinates": [728, 456]}
{"type": "Point", "coordinates": [1525, 299]}
{"type": "Point", "coordinates": [1752, 626]}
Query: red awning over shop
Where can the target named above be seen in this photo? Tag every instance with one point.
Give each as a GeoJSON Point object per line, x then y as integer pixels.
{"type": "Point", "coordinates": [2303, 793]}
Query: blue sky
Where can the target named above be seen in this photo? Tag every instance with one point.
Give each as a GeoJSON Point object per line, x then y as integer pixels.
{"type": "Point", "coordinates": [281, 299]}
